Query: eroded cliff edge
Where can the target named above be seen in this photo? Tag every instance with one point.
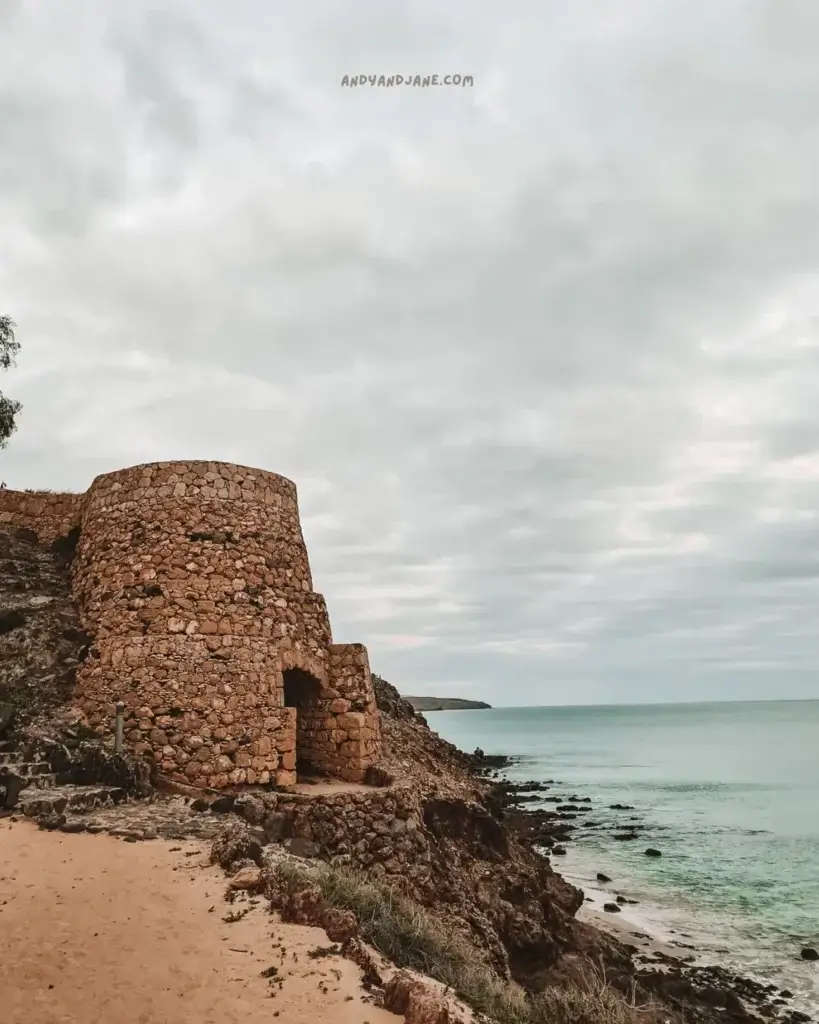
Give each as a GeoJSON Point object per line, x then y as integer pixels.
{"type": "Point", "coordinates": [428, 826]}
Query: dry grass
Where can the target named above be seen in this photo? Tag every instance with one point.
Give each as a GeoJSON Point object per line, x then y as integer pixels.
{"type": "Point", "coordinates": [409, 936]}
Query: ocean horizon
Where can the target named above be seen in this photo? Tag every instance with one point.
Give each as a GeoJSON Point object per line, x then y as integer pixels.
{"type": "Point", "coordinates": [728, 791]}
{"type": "Point", "coordinates": [645, 704]}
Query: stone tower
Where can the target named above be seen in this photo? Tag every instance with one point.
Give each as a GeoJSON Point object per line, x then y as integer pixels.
{"type": "Point", "coordinates": [193, 581]}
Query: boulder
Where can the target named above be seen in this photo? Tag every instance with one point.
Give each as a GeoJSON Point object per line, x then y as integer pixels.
{"type": "Point", "coordinates": [10, 789]}
{"type": "Point", "coordinates": [275, 826]}
{"type": "Point", "coordinates": [340, 925]}
{"type": "Point", "coordinates": [651, 852]}
{"type": "Point", "coordinates": [74, 828]}
{"type": "Point", "coordinates": [377, 776]}
{"type": "Point", "coordinates": [809, 953]}
{"type": "Point", "coordinates": [302, 848]}
{"type": "Point", "coordinates": [411, 998]}
{"type": "Point", "coordinates": [248, 879]}
{"type": "Point", "coordinates": [426, 1007]}
{"type": "Point", "coordinates": [223, 804]}
{"type": "Point", "coordinates": [602, 878]}
{"type": "Point", "coordinates": [250, 807]}
{"type": "Point", "coordinates": [235, 842]}
{"type": "Point", "coordinates": [611, 908]}
{"type": "Point", "coordinates": [51, 822]}
{"type": "Point", "coordinates": [305, 905]}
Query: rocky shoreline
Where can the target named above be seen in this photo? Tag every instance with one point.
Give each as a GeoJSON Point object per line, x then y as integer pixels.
{"type": "Point", "coordinates": [676, 979]}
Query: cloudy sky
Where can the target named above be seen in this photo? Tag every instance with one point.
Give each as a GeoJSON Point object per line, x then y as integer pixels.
{"type": "Point", "coordinates": [542, 353]}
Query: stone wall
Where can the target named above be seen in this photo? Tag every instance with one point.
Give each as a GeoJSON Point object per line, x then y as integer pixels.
{"type": "Point", "coordinates": [193, 580]}
{"type": "Point", "coordinates": [48, 515]}
{"type": "Point", "coordinates": [340, 728]}
{"type": "Point", "coordinates": [380, 831]}
{"type": "Point", "coordinates": [41, 641]}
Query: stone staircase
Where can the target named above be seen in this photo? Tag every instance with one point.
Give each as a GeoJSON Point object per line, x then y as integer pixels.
{"type": "Point", "coordinates": [39, 792]}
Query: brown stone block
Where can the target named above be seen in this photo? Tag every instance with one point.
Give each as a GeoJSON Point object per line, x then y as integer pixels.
{"type": "Point", "coordinates": [354, 718]}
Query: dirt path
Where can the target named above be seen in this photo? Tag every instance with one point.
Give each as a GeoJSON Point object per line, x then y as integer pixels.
{"type": "Point", "coordinates": [94, 928]}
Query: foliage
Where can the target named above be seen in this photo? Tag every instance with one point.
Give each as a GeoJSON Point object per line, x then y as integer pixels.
{"type": "Point", "coordinates": [411, 937]}
{"type": "Point", "coordinates": [9, 347]}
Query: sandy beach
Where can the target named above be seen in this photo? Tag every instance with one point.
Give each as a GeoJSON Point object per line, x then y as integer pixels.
{"type": "Point", "coordinates": [95, 928]}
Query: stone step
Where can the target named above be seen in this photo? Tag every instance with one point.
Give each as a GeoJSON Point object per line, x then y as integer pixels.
{"type": "Point", "coordinates": [36, 776]}
{"type": "Point", "coordinates": [41, 781]}
{"type": "Point", "coordinates": [39, 803]}
{"type": "Point", "coordinates": [32, 768]}
{"type": "Point", "coordinates": [10, 757]}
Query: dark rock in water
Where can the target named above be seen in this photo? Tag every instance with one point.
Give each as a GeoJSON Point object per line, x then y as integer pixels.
{"type": "Point", "coordinates": [602, 878]}
{"type": "Point", "coordinates": [622, 899]}
{"type": "Point", "coordinates": [559, 851]}
{"type": "Point", "coordinates": [625, 837]}
{"type": "Point", "coordinates": [809, 953]}
{"type": "Point", "coordinates": [200, 805]}
{"type": "Point", "coordinates": [651, 852]}
{"type": "Point", "coordinates": [786, 993]}
{"type": "Point", "coordinates": [481, 760]}
{"type": "Point", "coordinates": [611, 908]}
{"type": "Point", "coordinates": [620, 807]}
{"type": "Point", "coordinates": [799, 1017]}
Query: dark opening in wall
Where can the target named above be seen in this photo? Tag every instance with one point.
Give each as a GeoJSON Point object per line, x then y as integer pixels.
{"type": "Point", "coordinates": [65, 547]}
{"type": "Point", "coordinates": [301, 690]}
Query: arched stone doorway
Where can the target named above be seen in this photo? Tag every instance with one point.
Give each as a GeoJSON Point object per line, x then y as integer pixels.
{"type": "Point", "coordinates": [302, 691]}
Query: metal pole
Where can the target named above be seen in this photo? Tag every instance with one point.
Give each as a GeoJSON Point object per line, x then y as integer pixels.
{"type": "Point", "coordinates": [120, 722]}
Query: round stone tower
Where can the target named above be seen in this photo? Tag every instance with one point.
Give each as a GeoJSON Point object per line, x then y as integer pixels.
{"type": "Point", "coordinates": [194, 582]}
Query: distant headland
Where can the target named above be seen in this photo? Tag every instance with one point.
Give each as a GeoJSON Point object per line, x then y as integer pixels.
{"type": "Point", "coordinates": [446, 704]}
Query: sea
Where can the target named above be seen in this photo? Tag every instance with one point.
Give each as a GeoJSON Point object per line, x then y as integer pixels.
{"type": "Point", "coordinates": [729, 793]}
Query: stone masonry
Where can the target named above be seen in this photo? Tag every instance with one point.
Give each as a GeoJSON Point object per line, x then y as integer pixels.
{"type": "Point", "coordinates": [193, 581]}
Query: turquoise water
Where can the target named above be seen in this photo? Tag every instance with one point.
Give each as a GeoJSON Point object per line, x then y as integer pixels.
{"type": "Point", "coordinates": [730, 793]}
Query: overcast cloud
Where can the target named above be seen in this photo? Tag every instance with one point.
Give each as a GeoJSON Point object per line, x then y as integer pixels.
{"type": "Point", "coordinates": [541, 354]}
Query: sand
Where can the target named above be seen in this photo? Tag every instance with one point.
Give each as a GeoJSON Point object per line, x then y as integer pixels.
{"type": "Point", "coordinates": [629, 932]}
{"type": "Point", "coordinates": [94, 928]}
